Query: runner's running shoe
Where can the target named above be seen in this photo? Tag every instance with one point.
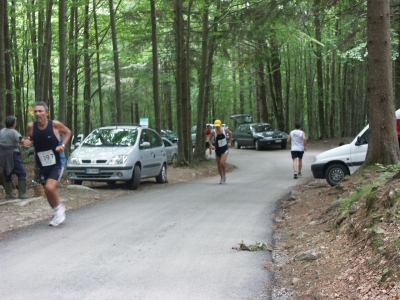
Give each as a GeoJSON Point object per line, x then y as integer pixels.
{"type": "Point", "coordinates": [59, 216]}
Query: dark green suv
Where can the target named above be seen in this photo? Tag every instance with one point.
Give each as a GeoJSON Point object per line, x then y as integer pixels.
{"type": "Point", "coordinates": [258, 135]}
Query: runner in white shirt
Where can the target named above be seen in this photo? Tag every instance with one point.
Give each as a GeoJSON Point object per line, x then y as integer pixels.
{"type": "Point", "coordinates": [298, 139]}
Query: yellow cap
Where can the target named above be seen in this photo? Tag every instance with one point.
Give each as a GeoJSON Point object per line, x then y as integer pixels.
{"type": "Point", "coordinates": [217, 123]}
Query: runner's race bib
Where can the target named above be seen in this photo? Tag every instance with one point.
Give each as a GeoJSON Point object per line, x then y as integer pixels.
{"type": "Point", "coordinates": [222, 143]}
{"type": "Point", "coordinates": [47, 158]}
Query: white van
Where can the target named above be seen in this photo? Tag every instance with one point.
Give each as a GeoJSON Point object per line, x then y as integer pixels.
{"type": "Point", "coordinates": [335, 164]}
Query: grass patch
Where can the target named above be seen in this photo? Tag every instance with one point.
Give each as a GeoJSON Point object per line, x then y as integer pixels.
{"type": "Point", "coordinates": [346, 203]}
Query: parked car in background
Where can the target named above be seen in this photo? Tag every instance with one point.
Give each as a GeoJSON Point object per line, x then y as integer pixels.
{"type": "Point", "coordinates": [172, 136]}
{"type": "Point", "coordinates": [336, 163]}
{"type": "Point", "coordinates": [171, 150]}
{"type": "Point", "coordinates": [119, 153]}
{"type": "Point", "coordinates": [258, 135]}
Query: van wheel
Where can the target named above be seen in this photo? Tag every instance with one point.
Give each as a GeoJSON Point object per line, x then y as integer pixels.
{"type": "Point", "coordinates": [237, 146]}
{"type": "Point", "coordinates": [162, 177]}
{"type": "Point", "coordinates": [335, 173]}
{"type": "Point", "coordinates": [134, 182]}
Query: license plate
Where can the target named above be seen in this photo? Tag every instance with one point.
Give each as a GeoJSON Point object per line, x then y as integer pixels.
{"type": "Point", "coordinates": [92, 171]}
{"type": "Point", "coordinates": [278, 141]}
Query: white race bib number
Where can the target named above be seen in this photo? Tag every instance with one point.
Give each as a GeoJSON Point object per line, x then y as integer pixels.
{"type": "Point", "coordinates": [47, 158]}
{"type": "Point", "coordinates": [222, 143]}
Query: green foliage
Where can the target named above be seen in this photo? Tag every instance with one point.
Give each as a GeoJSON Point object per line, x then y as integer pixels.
{"type": "Point", "coordinates": [370, 199]}
{"type": "Point", "coordinates": [361, 192]}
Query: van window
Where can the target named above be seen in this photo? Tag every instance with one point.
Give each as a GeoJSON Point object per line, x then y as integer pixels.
{"type": "Point", "coordinates": [364, 138]}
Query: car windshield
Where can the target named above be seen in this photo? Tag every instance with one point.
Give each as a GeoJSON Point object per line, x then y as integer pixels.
{"type": "Point", "coordinates": [112, 137]}
{"type": "Point", "coordinates": [263, 127]}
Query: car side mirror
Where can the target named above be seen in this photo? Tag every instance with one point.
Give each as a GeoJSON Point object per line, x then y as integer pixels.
{"type": "Point", "coordinates": [77, 144]}
{"type": "Point", "coordinates": [358, 142]}
{"type": "Point", "coordinates": [144, 145]}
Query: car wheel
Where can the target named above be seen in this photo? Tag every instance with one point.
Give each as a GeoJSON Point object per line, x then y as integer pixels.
{"type": "Point", "coordinates": [335, 173]}
{"type": "Point", "coordinates": [283, 145]}
{"type": "Point", "coordinates": [162, 177]}
{"type": "Point", "coordinates": [134, 182]}
{"type": "Point", "coordinates": [236, 143]}
{"type": "Point", "coordinates": [78, 182]}
{"type": "Point", "coordinates": [257, 144]}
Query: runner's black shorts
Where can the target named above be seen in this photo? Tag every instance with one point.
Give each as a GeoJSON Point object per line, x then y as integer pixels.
{"type": "Point", "coordinates": [53, 172]}
{"type": "Point", "coordinates": [297, 154]}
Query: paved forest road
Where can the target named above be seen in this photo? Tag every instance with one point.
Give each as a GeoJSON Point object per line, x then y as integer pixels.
{"type": "Point", "coordinates": [172, 242]}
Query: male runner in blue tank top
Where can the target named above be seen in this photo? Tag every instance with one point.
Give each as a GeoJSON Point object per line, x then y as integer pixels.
{"type": "Point", "coordinates": [45, 134]}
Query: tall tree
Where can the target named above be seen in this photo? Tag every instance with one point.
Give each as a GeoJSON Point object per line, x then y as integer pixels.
{"type": "Point", "coordinates": [63, 61]}
{"type": "Point", "coordinates": [320, 80]}
{"type": "Point", "coordinates": [156, 92]}
{"type": "Point", "coordinates": [383, 145]}
{"type": "Point", "coordinates": [87, 99]}
{"type": "Point", "coordinates": [45, 68]}
{"type": "Point", "coordinates": [7, 60]}
{"type": "Point", "coordinates": [116, 63]}
{"type": "Point", "coordinates": [99, 88]}
{"type": "Point", "coordinates": [2, 66]}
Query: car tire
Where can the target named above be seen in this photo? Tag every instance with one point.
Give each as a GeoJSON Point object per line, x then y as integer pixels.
{"type": "Point", "coordinates": [236, 143]}
{"type": "Point", "coordinates": [335, 173]}
{"type": "Point", "coordinates": [134, 182]}
{"type": "Point", "coordinates": [257, 145]}
{"type": "Point", "coordinates": [283, 145]}
{"type": "Point", "coordinates": [162, 177]}
{"type": "Point", "coordinates": [78, 182]}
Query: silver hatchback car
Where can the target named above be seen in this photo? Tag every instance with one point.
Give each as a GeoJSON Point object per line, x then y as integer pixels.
{"type": "Point", "coordinates": [119, 153]}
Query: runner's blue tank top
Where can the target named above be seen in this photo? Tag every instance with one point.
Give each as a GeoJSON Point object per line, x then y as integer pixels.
{"type": "Point", "coordinates": [45, 140]}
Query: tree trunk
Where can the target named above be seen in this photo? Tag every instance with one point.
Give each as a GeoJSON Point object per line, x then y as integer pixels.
{"type": "Point", "coordinates": [99, 89]}
{"type": "Point", "coordinates": [86, 91]}
{"type": "Point", "coordinates": [156, 92]}
{"type": "Point", "coordinates": [18, 77]}
{"type": "Point", "coordinates": [397, 68]}
{"type": "Point", "coordinates": [2, 67]}
{"type": "Point", "coordinates": [7, 60]}
{"type": "Point", "coordinates": [262, 93]}
{"type": "Point", "coordinates": [320, 80]}
{"type": "Point", "coordinates": [276, 83]}
{"type": "Point", "coordinates": [71, 72]}
{"type": "Point", "coordinates": [201, 99]}
{"type": "Point", "coordinates": [178, 26]}
{"type": "Point", "coordinates": [116, 63]}
{"type": "Point", "coordinates": [383, 146]}
{"type": "Point", "coordinates": [45, 70]}
{"type": "Point", "coordinates": [63, 61]}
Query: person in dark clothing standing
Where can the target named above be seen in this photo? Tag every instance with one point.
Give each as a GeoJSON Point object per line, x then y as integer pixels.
{"type": "Point", "coordinates": [11, 158]}
{"type": "Point", "coordinates": [49, 138]}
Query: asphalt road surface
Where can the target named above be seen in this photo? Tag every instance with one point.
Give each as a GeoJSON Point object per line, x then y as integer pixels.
{"type": "Point", "coordinates": [171, 242]}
